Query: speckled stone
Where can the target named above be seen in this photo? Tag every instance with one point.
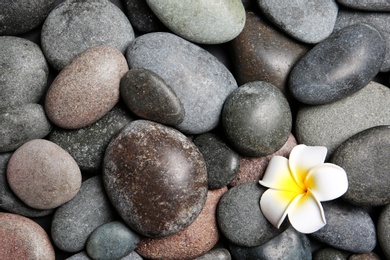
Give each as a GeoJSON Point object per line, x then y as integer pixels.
{"type": "Point", "coordinates": [310, 22]}
{"type": "Point", "coordinates": [23, 16]}
{"type": "Point", "coordinates": [20, 124]}
{"type": "Point", "coordinates": [329, 253]}
{"type": "Point", "coordinates": [147, 95]}
{"type": "Point", "coordinates": [83, 256]}
{"type": "Point", "coordinates": [365, 256]}
{"type": "Point", "coordinates": [22, 238]}
{"type": "Point", "coordinates": [198, 78]}
{"type": "Point", "coordinates": [383, 230]}
{"type": "Point", "coordinates": [366, 5]}
{"type": "Point", "coordinates": [87, 145]}
{"type": "Point", "coordinates": [141, 17]}
{"type": "Point", "coordinates": [86, 89]}
{"type": "Point", "coordinates": [331, 124]}
{"type": "Point", "coordinates": [75, 26]}
{"type": "Point", "coordinates": [221, 161]}
{"type": "Point", "coordinates": [24, 71]}
{"type": "Point", "coordinates": [199, 21]}
{"type": "Point", "coordinates": [43, 175]}
{"type": "Point", "coordinates": [348, 228]}
{"type": "Point", "coordinates": [216, 254]}
{"type": "Point", "coordinates": [155, 177]}
{"type": "Point", "coordinates": [112, 240]}
{"type": "Point", "coordinates": [74, 221]}
{"type": "Point", "coordinates": [338, 66]}
{"type": "Point", "coordinates": [240, 219]}
{"type": "Point", "coordinates": [256, 119]}
{"type": "Point", "coordinates": [253, 168]}
{"type": "Point", "coordinates": [193, 241]}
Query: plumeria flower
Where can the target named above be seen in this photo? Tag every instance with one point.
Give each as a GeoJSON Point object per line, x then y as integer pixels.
{"type": "Point", "coordinates": [298, 185]}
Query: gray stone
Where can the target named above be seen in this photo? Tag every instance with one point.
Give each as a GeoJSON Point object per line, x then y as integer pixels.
{"type": "Point", "coordinates": [141, 17]}
{"type": "Point", "coordinates": [256, 119]}
{"type": "Point", "coordinates": [331, 124]}
{"type": "Point", "coordinates": [383, 230]}
{"type": "Point", "coordinates": [87, 145]}
{"type": "Point", "coordinates": [132, 256]}
{"type": "Point", "coordinates": [329, 253]}
{"type": "Point", "coordinates": [24, 71]}
{"type": "Point", "coordinates": [240, 219]}
{"type": "Point", "coordinates": [22, 16]}
{"type": "Point", "coordinates": [22, 123]}
{"type": "Point", "coordinates": [348, 228]}
{"type": "Point", "coordinates": [201, 21]}
{"type": "Point", "coordinates": [338, 66]}
{"type": "Point", "coordinates": [367, 5]}
{"type": "Point", "coordinates": [74, 221]}
{"type": "Point", "coordinates": [221, 161]}
{"type": "Point", "coordinates": [310, 22]}
{"type": "Point", "coordinates": [288, 245]}
{"type": "Point", "coordinates": [199, 79]}
{"type": "Point", "coordinates": [75, 26]}
{"type": "Point", "coordinates": [364, 157]}
{"type": "Point", "coordinates": [83, 256]}
{"type": "Point", "coordinates": [216, 254]}
{"type": "Point", "coordinates": [111, 241]}
{"type": "Point", "coordinates": [147, 95]}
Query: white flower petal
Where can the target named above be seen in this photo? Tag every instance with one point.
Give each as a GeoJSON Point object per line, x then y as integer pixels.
{"type": "Point", "coordinates": [327, 181]}
{"type": "Point", "coordinates": [274, 204]}
{"type": "Point", "coordinates": [278, 176]}
{"type": "Point", "coordinates": [306, 214]}
{"type": "Point", "coordinates": [303, 158]}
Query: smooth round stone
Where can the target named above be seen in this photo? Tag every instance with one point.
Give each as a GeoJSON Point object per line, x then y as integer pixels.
{"type": "Point", "coordinates": [290, 244]}
{"type": "Point", "coordinates": [309, 22]}
{"type": "Point", "coordinates": [87, 145]}
{"type": "Point", "coordinates": [8, 200]}
{"type": "Point", "coordinates": [111, 241]}
{"type": "Point", "coordinates": [365, 256]}
{"type": "Point", "coordinates": [20, 124]}
{"type": "Point", "coordinates": [23, 16]}
{"type": "Point", "coordinates": [155, 177]}
{"type": "Point", "coordinates": [75, 26]}
{"type": "Point", "coordinates": [191, 242]}
{"type": "Point", "coordinates": [366, 5]}
{"type": "Point", "coordinates": [142, 17]}
{"type": "Point", "coordinates": [22, 238]}
{"type": "Point", "coordinates": [74, 221]}
{"type": "Point", "coordinates": [43, 175]}
{"type": "Point", "coordinates": [221, 161]}
{"type": "Point", "coordinates": [240, 218]}
{"type": "Point", "coordinates": [383, 230]}
{"type": "Point", "coordinates": [83, 256]}
{"type": "Point", "coordinates": [364, 158]}
{"type": "Point", "coordinates": [348, 228]}
{"type": "Point", "coordinates": [86, 89]}
{"type": "Point", "coordinates": [271, 54]}
{"type": "Point", "coordinates": [216, 254]}
{"type": "Point", "coordinates": [328, 254]}
{"type": "Point", "coordinates": [331, 124]}
{"type": "Point", "coordinates": [200, 21]}
{"type": "Point", "coordinates": [147, 95]}
{"type": "Point", "coordinates": [257, 119]}
{"type": "Point", "coordinates": [198, 78]}
{"type": "Point", "coordinates": [24, 71]}
{"type": "Point", "coordinates": [338, 66]}
{"type": "Point", "coordinates": [253, 168]}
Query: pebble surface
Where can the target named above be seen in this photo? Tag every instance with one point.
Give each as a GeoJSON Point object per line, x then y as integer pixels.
{"type": "Point", "coordinates": [383, 230]}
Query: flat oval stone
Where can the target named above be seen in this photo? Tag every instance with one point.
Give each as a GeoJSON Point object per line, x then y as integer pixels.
{"type": "Point", "coordinates": [216, 254]}
{"type": "Point", "coordinates": [23, 16]}
{"type": "Point", "coordinates": [20, 124]}
{"type": "Point", "coordinates": [74, 221]}
{"type": "Point", "coordinates": [366, 5]}
{"type": "Point", "coordinates": [240, 218]}
{"type": "Point", "coordinates": [87, 145]}
{"type": "Point", "coordinates": [338, 66]}
{"type": "Point", "coordinates": [199, 21]}
{"type": "Point", "coordinates": [86, 89]}
{"type": "Point", "coordinates": [24, 71]}
{"type": "Point", "coordinates": [191, 242]}
{"type": "Point", "coordinates": [328, 253]}
{"type": "Point", "coordinates": [256, 119]}
{"type": "Point", "coordinates": [142, 17]}
{"type": "Point", "coordinates": [198, 78]}
{"type": "Point", "coordinates": [22, 238]}
{"type": "Point", "coordinates": [75, 26]}
{"type": "Point", "coordinates": [43, 175]}
{"type": "Point", "coordinates": [383, 230]}
{"type": "Point", "coordinates": [155, 177]}
{"type": "Point", "coordinates": [348, 228]}
{"type": "Point", "coordinates": [112, 240]}
{"type": "Point", "coordinates": [309, 22]}
{"type": "Point", "coordinates": [147, 95]}
{"type": "Point", "coordinates": [331, 124]}
{"type": "Point", "coordinates": [222, 162]}
{"type": "Point", "coordinates": [364, 159]}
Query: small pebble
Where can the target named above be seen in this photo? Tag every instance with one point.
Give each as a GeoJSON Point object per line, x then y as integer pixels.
{"type": "Point", "coordinates": [383, 230]}
{"type": "Point", "coordinates": [216, 254]}
{"type": "Point", "coordinates": [365, 256]}
{"type": "Point", "coordinates": [329, 253]}
{"type": "Point", "coordinates": [141, 16]}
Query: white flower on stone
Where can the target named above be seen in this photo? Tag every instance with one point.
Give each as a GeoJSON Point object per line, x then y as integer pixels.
{"type": "Point", "coordinates": [298, 185]}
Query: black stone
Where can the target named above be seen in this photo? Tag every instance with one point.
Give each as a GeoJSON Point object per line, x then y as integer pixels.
{"type": "Point", "coordinates": [142, 17]}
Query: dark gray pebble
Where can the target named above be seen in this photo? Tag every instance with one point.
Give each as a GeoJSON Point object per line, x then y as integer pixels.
{"type": "Point", "coordinates": [329, 253]}
{"type": "Point", "coordinates": [366, 5]}
{"type": "Point", "coordinates": [141, 16]}
{"type": "Point", "coordinates": [383, 229]}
